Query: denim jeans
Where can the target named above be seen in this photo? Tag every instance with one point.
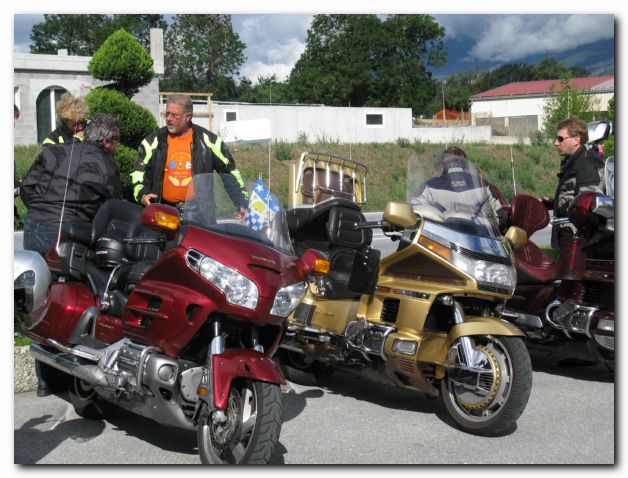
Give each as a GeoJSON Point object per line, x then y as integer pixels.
{"type": "Point", "coordinates": [38, 236]}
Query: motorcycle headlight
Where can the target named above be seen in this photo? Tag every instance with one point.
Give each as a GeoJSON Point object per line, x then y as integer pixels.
{"type": "Point", "coordinates": [238, 289]}
{"type": "Point", "coordinates": [287, 299]}
{"type": "Point", "coordinates": [485, 271]}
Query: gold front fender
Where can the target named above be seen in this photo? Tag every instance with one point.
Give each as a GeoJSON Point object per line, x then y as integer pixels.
{"type": "Point", "coordinates": [434, 347]}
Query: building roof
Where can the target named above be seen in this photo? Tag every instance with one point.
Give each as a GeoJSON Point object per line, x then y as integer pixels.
{"type": "Point", "coordinates": [544, 87]}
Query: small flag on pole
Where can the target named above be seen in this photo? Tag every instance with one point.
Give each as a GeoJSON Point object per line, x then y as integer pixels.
{"type": "Point", "coordinates": [262, 207]}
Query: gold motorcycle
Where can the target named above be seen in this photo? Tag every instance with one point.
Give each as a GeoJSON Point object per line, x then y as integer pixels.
{"type": "Point", "coordinates": [424, 318]}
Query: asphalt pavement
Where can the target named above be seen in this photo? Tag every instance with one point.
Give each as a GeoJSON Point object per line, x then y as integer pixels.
{"type": "Point", "coordinates": [570, 419]}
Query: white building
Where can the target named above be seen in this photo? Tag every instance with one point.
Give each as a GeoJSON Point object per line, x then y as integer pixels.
{"type": "Point", "coordinates": [40, 80]}
{"type": "Point", "coordinates": [516, 109]}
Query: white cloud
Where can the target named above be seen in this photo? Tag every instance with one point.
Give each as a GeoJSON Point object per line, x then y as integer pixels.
{"type": "Point", "coordinates": [274, 43]}
{"type": "Point", "coordinates": [508, 38]}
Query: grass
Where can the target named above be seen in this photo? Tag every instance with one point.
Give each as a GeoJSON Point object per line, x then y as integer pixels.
{"type": "Point", "coordinates": [535, 165]}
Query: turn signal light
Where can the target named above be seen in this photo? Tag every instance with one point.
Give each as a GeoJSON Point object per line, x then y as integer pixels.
{"type": "Point", "coordinates": [313, 262]}
{"type": "Point", "coordinates": [322, 266]}
{"type": "Point", "coordinates": [167, 221]}
{"type": "Point", "coordinates": [436, 248]}
{"type": "Point", "coordinates": [163, 217]}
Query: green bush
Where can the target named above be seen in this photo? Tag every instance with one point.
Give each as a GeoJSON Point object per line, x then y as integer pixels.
{"type": "Point", "coordinates": [123, 61]}
{"type": "Point", "coordinates": [124, 158]}
{"type": "Point", "coordinates": [283, 151]}
{"type": "Point", "coordinates": [135, 121]}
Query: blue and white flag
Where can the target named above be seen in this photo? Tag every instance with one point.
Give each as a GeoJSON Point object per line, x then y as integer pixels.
{"type": "Point", "coordinates": [262, 207]}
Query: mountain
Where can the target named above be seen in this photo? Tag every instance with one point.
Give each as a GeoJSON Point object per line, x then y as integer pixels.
{"type": "Point", "coordinates": [598, 58]}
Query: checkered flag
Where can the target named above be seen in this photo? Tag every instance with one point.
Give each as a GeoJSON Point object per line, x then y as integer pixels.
{"type": "Point", "coordinates": [262, 207]}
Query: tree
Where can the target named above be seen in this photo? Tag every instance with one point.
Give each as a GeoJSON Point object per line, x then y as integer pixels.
{"type": "Point", "coordinates": [84, 34]}
{"type": "Point", "coordinates": [204, 55]}
{"type": "Point", "coordinates": [363, 60]}
{"type": "Point", "coordinates": [266, 90]}
{"type": "Point", "coordinates": [79, 34]}
{"type": "Point", "coordinates": [122, 60]}
{"type": "Point", "coordinates": [140, 25]}
{"type": "Point", "coordinates": [566, 103]}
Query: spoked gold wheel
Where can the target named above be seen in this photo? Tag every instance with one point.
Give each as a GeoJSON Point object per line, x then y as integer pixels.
{"type": "Point", "coordinates": [489, 396]}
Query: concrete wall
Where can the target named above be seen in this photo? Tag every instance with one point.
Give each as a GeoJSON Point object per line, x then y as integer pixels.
{"type": "Point", "coordinates": [521, 106]}
{"type": "Point", "coordinates": [335, 124]}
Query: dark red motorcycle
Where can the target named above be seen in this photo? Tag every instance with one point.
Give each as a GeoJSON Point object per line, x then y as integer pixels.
{"type": "Point", "coordinates": [567, 306]}
{"type": "Point", "coordinates": [174, 322]}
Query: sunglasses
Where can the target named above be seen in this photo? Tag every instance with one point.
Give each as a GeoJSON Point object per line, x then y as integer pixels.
{"type": "Point", "coordinates": [560, 139]}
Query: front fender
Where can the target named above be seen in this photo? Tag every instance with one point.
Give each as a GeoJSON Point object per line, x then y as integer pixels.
{"type": "Point", "coordinates": [435, 346]}
{"type": "Point", "coordinates": [241, 363]}
{"type": "Point", "coordinates": [483, 326]}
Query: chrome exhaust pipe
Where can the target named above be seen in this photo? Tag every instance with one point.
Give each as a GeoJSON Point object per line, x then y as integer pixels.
{"type": "Point", "coordinates": [71, 365]}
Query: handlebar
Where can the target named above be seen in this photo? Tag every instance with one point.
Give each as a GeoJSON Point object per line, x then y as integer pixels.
{"type": "Point", "coordinates": [370, 225]}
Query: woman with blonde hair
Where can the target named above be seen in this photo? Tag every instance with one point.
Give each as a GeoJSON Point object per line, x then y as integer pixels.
{"type": "Point", "coordinates": [73, 113]}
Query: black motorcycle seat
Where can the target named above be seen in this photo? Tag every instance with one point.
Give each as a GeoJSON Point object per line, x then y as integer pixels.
{"type": "Point", "coordinates": [77, 231]}
{"type": "Point", "coordinates": [115, 214]}
{"type": "Point", "coordinates": [308, 220]}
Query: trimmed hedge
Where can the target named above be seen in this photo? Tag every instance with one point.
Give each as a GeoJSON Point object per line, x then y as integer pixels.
{"type": "Point", "coordinates": [136, 122]}
{"type": "Point", "coordinates": [122, 60]}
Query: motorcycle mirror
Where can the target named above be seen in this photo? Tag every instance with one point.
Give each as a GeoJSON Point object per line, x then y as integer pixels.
{"type": "Point", "coordinates": [313, 262]}
{"type": "Point", "coordinates": [399, 214]}
{"type": "Point", "coordinates": [598, 131]}
{"type": "Point", "coordinates": [516, 236]}
{"type": "Point", "coordinates": [162, 217]}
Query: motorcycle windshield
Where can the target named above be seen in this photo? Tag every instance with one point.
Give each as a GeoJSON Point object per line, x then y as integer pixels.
{"type": "Point", "coordinates": [215, 202]}
{"type": "Point", "coordinates": [448, 189]}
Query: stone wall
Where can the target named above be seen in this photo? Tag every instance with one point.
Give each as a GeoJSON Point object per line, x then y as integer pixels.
{"type": "Point", "coordinates": [24, 378]}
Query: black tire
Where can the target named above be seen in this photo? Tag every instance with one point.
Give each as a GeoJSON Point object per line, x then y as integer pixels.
{"type": "Point", "coordinates": [87, 403]}
{"type": "Point", "coordinates": [494, 409]}
{"type": "Point", "coordinates": [56, 380]}
{"type": "Point", "coordinates": [251, 432]}
{"type": "Point", "coordinates": [303, 370]}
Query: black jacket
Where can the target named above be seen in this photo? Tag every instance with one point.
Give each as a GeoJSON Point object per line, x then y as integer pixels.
{"type": "Point", "coordinates": [91, 176]}
{"type": "Point", "coordinates": [61, 135]}
{"type": "Point", "coordinates": [209, 154]}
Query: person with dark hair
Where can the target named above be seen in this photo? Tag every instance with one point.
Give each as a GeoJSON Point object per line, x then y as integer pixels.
{"type": "Point", "coordinates": [169, 157]}
{"type": "Point", "coordinates": [68, 183]}
{"type": "Point", "coordinates": [458, 178]}
{"type": "Point", "coordinates": [73, 112]}
{"type": "Point", "coordinates": [581, 170]}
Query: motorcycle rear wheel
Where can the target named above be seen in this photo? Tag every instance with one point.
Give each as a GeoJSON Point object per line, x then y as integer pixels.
{"type": "Point", "coordinates": [251, 431]}
{"type": "Point", "coordinates": [501, 394]}
{"type": "Point", "coordinates": [87, 403]}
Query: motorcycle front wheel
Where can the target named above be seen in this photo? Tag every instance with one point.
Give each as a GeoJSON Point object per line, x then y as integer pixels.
{"type": "Point", "coordinates": [251, 430]}
{"type": "Point", "coordinates": [489, 398]}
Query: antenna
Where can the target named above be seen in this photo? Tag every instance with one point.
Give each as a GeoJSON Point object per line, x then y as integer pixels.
{"type": "Point", "coordinates": [65, 193]}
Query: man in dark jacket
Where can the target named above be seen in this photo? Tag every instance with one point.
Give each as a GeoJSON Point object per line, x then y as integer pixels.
{"type": "Point", "coordinates": [581, 170]}
{"type": "Point", "coordinates": [171, 156]}
{"type": "Point", "coordinates": [69, 182]}
{"type": "Point", "coordinates": [88, 171]}
{"type": "Point", "coordinates": [459, 182]}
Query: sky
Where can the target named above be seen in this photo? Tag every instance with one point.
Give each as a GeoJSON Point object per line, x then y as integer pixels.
{"type": "Point", "coordinates": [275, 41]}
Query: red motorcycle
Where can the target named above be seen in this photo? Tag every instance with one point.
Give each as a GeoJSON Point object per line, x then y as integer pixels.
{"type": "Point", "coordinates": [567, 306]}
{"type": "Point", "coordinates": [177, 323]}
